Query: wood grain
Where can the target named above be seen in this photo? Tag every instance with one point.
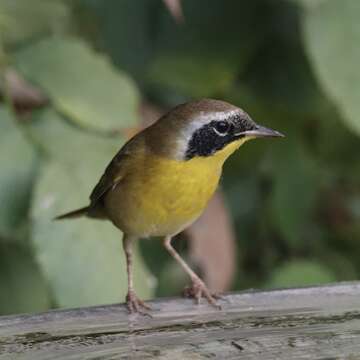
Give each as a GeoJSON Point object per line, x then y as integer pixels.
{"type": "Point", "coordinates": [306, 323]}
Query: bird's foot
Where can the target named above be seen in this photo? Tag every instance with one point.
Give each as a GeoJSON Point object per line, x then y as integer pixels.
{"type": "Point", "coordinates": [198, 289]}
{"type": "Point", "coordinates": [136, 305]}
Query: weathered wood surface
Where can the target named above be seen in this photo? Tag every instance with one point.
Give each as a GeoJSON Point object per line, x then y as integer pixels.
{"type": "Point", "coordinates": [307, 323]}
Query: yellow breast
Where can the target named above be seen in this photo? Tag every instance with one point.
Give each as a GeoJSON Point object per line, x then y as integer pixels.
{"type": "Point", "coordinates": [162, 196]}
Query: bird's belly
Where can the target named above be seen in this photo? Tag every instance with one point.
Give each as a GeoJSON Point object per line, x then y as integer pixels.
{"type": "Point", "coordinates": [154, 205]}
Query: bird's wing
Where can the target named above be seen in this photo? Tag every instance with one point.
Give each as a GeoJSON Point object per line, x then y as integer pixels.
{"type": "Point", "coordinates": [113, 174]}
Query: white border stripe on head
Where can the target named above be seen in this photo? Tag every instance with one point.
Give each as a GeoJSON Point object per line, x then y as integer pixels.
{"type": "Point", "coordinates": [202, 119]}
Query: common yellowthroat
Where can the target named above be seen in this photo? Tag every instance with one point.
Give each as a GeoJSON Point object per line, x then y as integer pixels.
{"type": "Point", "coordinates": [162, 179]}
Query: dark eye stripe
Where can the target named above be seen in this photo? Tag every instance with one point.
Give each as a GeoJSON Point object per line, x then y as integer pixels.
{"type": "Point", "coordinates": [215, 135]}
{"type": "Point", "coordinates": [205, 141]}
{"type": "Point", "coordinates": [222, 126]}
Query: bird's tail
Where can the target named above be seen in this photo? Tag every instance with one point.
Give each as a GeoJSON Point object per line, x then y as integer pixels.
{"type": "Point", "coordinates": [73, 214]}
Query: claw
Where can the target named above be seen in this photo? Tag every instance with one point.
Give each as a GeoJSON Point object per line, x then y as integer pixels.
{"type": "Point", "coordinates": [218, 296]}
{"type": "Point", "coordinates": [199, 290]}
{"type": "Point", "coordinates": [135, 305]}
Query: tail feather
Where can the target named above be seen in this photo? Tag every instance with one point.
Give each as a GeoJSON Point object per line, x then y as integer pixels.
{"type": "Point", "coordinates": [73, 214]}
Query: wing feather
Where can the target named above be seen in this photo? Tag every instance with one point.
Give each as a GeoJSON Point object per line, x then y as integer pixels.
{"type": "Point", "coordinates": [114, 172]}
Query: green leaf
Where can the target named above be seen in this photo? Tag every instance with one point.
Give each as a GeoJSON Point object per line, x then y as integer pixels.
{"type": "Point", "coordinates": [22, 20]}
{"type": "Point", "coordinates": [63, 142]}
{"type": "Point", "coordinates": [330, 31]}
{"type": "Point", "coordinates": [203, 57]}
{"type": "Point", "coordinates": [82, 259]}
{"type": "Point", "coordinates": [18, 169]}
{"type": "Point", "coordinates": [279, 82]}
{"type": "Point", "coordinates": [300, 273]}
{"type": "Point", "coordinates": [22, 286]}
{"type": "Point", "coordinates": [294, 193]}
{"type": "Point", "coordinates": [198, 58]}
{"type": "Point", "coordinates": [308, 3]}
{"type": "Point", "coordinates": [82, 84]}
{"type": "Point", "coordinates": [115, 20]}
{"type": "Point", "coordinates": [198, 76]}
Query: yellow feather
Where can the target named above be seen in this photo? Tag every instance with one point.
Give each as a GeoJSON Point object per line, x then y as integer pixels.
{"type": "Point", "coordinates": [162, 196]}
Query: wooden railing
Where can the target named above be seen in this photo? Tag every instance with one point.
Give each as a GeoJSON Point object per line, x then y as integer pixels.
{"type": "Point", "coordinates": [307, 323]}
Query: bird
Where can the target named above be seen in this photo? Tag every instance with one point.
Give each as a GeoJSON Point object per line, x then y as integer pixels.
{"type": "Point", "coordinates": [161, 180]}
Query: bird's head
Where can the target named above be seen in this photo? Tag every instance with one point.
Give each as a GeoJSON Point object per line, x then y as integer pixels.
{"type": "Point", "coordinates": [205, 128]}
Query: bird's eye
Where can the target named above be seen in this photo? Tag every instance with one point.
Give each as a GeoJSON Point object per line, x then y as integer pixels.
{"type": "Point", "coordinates": [222, 127]}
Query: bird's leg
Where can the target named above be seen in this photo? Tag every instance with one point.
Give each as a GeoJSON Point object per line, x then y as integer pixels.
{"type": "Point", "coordinates": [134, 304]}
{"type": "Point", "coordinates": [198, 288]}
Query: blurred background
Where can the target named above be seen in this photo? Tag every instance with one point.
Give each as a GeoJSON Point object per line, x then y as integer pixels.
{"type": "Point", "coordinates": [79, 77]}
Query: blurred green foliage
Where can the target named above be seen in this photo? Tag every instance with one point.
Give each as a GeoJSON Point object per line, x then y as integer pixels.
{"type": "Point", "coordinates": [292, 64]}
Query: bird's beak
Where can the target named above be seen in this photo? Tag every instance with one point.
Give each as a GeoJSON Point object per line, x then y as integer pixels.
{"type": "Point", "coordinates": [261, 131]}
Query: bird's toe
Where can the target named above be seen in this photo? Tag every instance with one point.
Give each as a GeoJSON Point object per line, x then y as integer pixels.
{"type": "Point", "coordinates": [197, 290]}
{"type": "Point", "coordinates": [136, 305]}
